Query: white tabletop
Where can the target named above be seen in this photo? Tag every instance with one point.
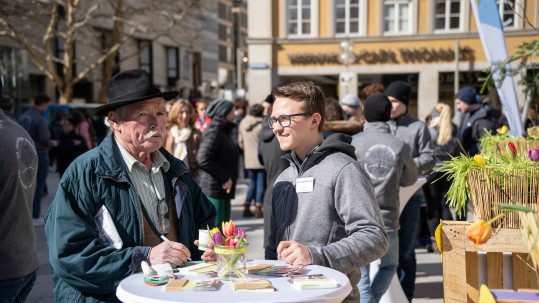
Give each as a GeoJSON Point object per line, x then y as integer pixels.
{"type": "Point", "coordinates": [133, 290]}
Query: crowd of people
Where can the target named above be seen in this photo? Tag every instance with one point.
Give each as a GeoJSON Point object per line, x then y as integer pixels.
{"type": "Point", "coordinates": [168, 167]}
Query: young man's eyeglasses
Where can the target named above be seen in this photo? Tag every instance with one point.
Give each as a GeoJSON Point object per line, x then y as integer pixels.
{"type": "Point", "coordinates": [285, 120]}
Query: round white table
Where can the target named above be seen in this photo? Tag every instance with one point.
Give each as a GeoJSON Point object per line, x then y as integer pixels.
{"type": "Point", "coordinates": [133, 290]}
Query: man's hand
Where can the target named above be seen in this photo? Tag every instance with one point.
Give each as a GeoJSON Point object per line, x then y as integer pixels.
{"type": "Point", "coordinates": [170, 252]}
{"type": "Point", "coordinates": [208, 255]}
{"type": "Point", "coordinates": [294, 253]}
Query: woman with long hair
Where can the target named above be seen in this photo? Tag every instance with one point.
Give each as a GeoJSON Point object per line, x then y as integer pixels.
{"type": "Point", "coordinates": [183, 140]}
{"type": "Point", "coordinates": [443, 134]}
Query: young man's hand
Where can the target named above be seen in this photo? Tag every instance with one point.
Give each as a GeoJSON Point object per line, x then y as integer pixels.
{"type": "Point", "coordinates": [294, 253]}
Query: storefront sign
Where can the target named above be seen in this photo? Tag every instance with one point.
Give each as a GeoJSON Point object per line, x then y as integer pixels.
{"type": "Point", "coordinates": [387, 56]}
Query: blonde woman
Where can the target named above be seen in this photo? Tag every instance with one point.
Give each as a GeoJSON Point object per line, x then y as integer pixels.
{"type": "Point", "coordinates": [182, 138]}
{"type": "Point", "coordinates": [443, 134]}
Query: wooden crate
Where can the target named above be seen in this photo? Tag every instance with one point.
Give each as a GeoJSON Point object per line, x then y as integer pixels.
{"type": "Point", "coordinates": [460, 262]}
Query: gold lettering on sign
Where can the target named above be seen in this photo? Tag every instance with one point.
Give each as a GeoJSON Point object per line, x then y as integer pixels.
{"type": "Point", "coordinates": [383, 56]}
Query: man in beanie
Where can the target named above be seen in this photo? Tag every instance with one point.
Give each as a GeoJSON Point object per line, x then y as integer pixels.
{"type": "Point", "coordinates": [116, 202]}
{"type": "Point", "coordinates": [218, 157]}
{"type": "Point", "coordinates": [477, 119]}
{"type": "Point", "coordinates": [416, 134]}
{"type": "Point", "coordinates": [324, 209]}
{"type": "Point", "coordinates": [389, 164]}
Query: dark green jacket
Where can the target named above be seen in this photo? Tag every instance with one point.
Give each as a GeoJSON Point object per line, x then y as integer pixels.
{"type": "Point", "coordinates": [84, 268]}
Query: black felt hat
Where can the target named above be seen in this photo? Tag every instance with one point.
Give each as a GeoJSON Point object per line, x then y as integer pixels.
{"type": "Point", "coordinates": [128, 87]}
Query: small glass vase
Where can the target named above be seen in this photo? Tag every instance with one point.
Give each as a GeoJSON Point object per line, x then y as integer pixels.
{"type": "Point", "coordinates": [231, 262]}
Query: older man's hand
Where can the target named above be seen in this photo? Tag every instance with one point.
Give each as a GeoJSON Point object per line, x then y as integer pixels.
{"type": "Point", "coordinates": [169, 252]}
{"type": "Point", "coordinates": [209, 254]}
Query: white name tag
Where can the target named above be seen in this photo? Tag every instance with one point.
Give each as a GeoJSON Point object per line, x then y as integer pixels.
{"type": "Point", "coordinates": [304, 185]}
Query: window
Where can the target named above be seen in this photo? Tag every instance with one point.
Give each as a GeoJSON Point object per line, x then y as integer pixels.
{"type": "Point", "coordinates": [507, 12]}
{"type": "Point", "coordinates": [299, 17]}
{"type": "Point", "coordinates": [60, 54]}
{"type": "Point", "coordinates": [106, 44]}
{"type": "Point", "coordinates": [347, 17]}
{"type": "Point", "coordinates": [172, 66]}
{"type": "Point", "coordinates": [397, 16]}
{"type": "Point", "coordinates": [447, 15]}
{"type": "Point", "coordinates": [145, 56]}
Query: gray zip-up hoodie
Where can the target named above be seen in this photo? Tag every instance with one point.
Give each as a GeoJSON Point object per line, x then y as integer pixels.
{"type": "Point", "coordinates": [416, 134]}
{"type": "Point", "coordinates": [339, 220]}
{"type": "Point", "coordinates": [389, 163]}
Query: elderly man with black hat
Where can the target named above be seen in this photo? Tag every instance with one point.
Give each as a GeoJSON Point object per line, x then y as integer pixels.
{"type": "Point", "coordinates": [116, 202]}
{"type": "Point", "coordinates": [416, 134]}
{"type": "Point", "coordinates": [477, 119]}
{"type": "Point", "coordinates": [218, 157]}
{"type": "Point", "coordinates": [389, 164]}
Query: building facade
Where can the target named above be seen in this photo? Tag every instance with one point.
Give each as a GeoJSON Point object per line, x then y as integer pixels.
{"type": "Point", "coordinates": [184, 55]}
{"type": "Point", "coordinates": [344, 45]}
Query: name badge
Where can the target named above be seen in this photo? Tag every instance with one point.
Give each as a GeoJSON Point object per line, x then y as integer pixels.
{"type": "Point", "coordinates": [304, 185]}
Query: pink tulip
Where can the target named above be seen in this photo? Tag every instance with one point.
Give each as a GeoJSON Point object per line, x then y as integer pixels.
{"type": "Point", "coordinates": [217, 238]}
{"type": "Point", "coordinates": [534, 154]}
{"type": "Point", "coordinates": [240, 232]}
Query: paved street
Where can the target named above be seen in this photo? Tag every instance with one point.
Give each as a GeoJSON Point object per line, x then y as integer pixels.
{"type": "Point", "coordinates": [429, 273]}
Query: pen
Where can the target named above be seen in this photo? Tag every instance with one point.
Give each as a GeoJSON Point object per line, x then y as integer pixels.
{"type": "Point", "coordinates": [166, 239]}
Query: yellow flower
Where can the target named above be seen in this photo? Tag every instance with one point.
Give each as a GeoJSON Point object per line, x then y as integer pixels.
{"type": "Point", "coordinates": [479, 159]}
{"type": "Point", "coordinates": [503, 130]}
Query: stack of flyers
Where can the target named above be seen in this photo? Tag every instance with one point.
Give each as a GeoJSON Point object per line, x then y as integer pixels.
{"type": "Point", "coordinates": [203, 285]}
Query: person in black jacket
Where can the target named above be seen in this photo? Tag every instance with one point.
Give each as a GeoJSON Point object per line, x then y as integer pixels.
{"type": "Point", "coordinates": [269, 155]}
{"type": "Point", "coordinates": [477, 119]}
{"type": "Point", "coordinates": [71, 146]}
{"type": "Point", "coordinates": [218, 157]}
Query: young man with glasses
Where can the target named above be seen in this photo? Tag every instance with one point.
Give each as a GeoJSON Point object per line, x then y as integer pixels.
{"type": "Point", "coordinates": [324, 211]}
{"type": "Point", "coordinates": [117, 202]}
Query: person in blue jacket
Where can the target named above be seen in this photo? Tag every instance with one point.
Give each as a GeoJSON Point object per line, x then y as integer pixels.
{"type": "Point", "coordinates": [115, 202]}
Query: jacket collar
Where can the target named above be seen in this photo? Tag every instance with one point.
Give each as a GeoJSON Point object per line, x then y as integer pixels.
{"type": "Point", "coordinates": [377, 127]}
{"type": "Point", "coordinates": [110, 162]}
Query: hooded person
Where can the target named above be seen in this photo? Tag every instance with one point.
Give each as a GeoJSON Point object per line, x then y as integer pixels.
{"type": "Point", "coordinates": [218, 158]}
{"type": "Point", "coordinates": [389, 164]}
{"type": "Point", "coordinates": [415, 133]}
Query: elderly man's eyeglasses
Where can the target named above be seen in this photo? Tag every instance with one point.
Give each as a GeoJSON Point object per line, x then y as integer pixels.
{"type": "Point", "coordinates": [285, 120]}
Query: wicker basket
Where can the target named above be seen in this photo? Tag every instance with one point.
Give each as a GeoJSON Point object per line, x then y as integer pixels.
{"type": "Point", "coordinates": [489, 187]}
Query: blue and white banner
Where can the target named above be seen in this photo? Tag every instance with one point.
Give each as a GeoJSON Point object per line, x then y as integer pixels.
{"type": "Point", "coordinates": [490, 31]}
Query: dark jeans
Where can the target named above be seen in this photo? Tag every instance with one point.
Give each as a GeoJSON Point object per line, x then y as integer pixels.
{"type": "Point", "coordinates": [16, 290]}
{"type": "Point", "coordinates": [437, 208]}
{"type": "Point", "coordinates": [257, 185]}
{"type": "Point", "coordinates": [41, 181]}
{"type": "Point", "coordinates": [409, 227]}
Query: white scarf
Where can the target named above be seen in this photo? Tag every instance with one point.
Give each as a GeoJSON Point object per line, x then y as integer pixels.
{"type": "Point", "coordinates": [180, 137]}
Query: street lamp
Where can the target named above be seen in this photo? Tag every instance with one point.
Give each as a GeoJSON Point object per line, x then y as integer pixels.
{"type": "Point", "coordinates": [347, 55]}
{"type": "Point", "coordinates": [347, 80]}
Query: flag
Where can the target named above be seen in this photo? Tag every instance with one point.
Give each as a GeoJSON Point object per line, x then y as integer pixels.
{"type": "Point", "coordinates": [489, 25]}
